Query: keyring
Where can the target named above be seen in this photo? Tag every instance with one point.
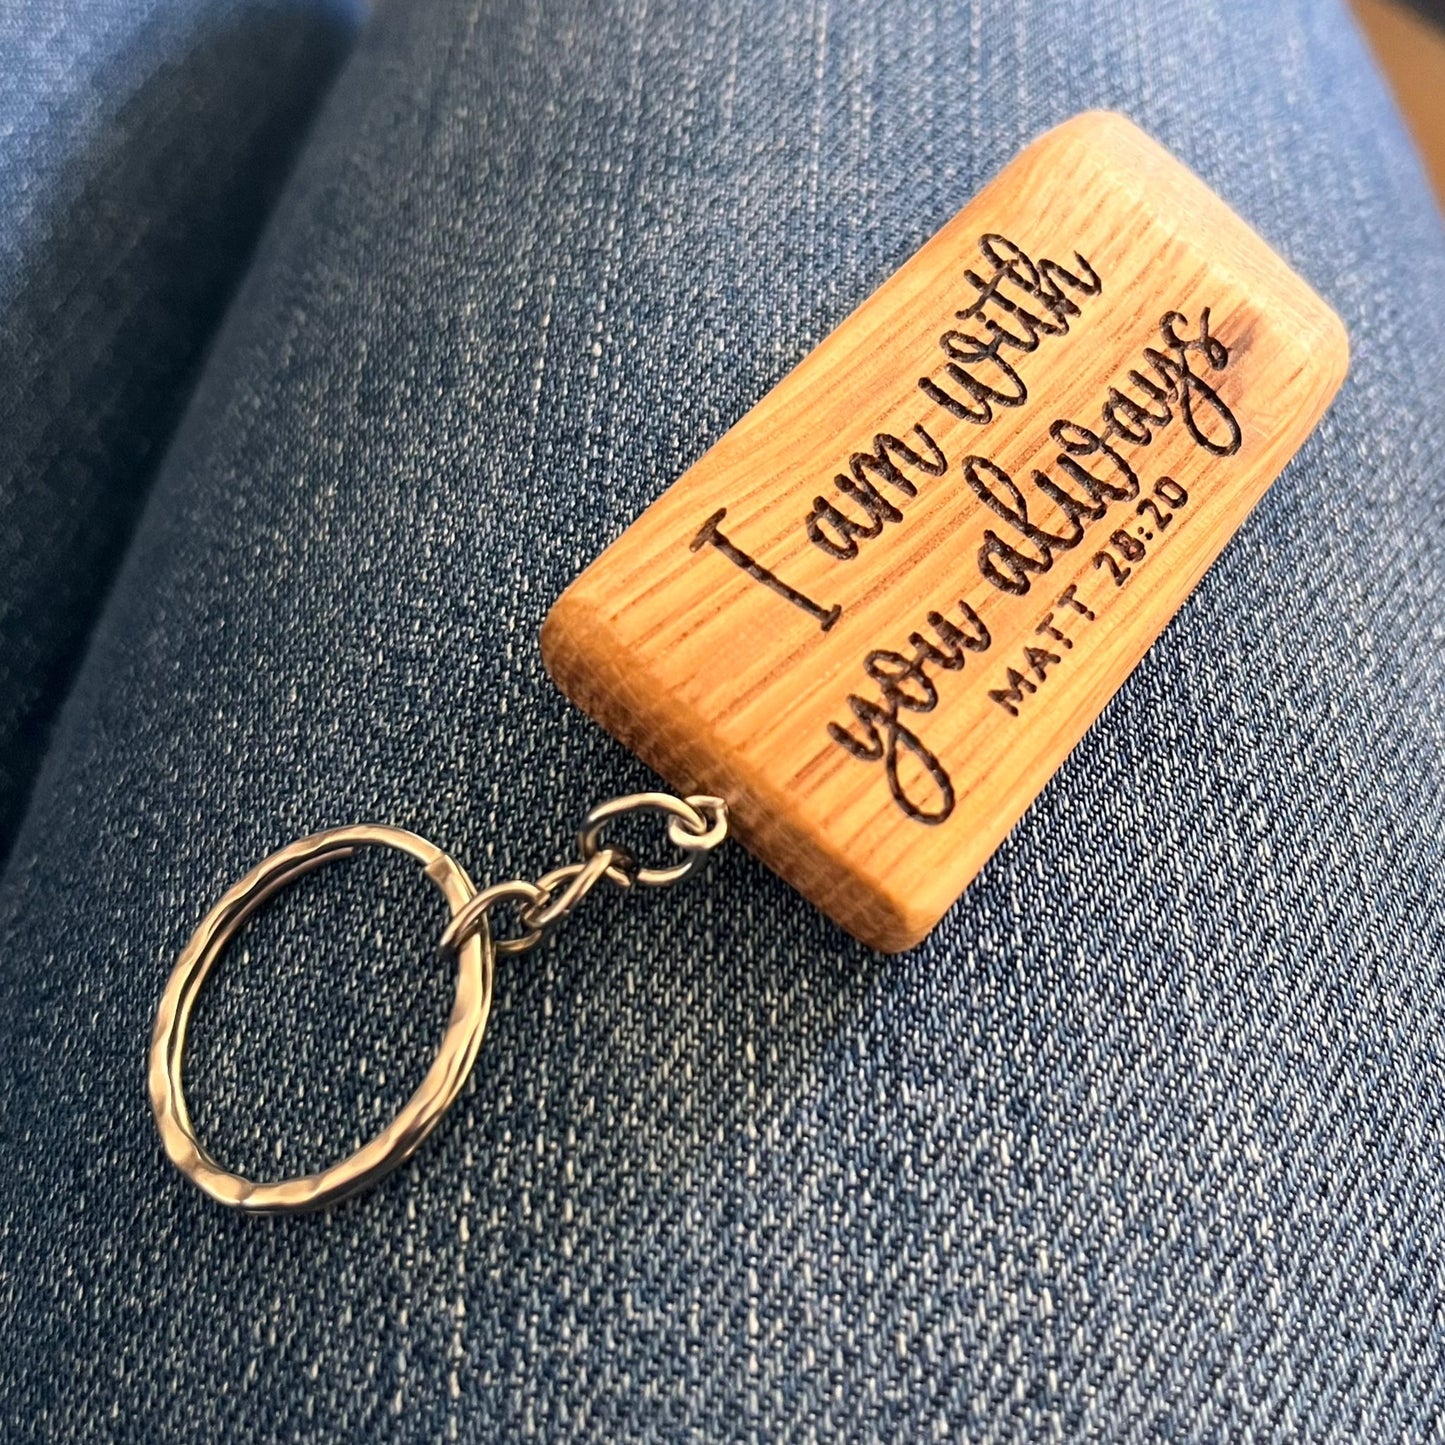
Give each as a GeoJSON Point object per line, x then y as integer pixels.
{"type": "Point", "coordinates": [476, 958]}
{"type": "Point", "coordinates": [696, 826]}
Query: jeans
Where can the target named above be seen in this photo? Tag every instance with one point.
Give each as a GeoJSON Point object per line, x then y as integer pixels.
{"type": "Point", "coordinates": [1144, 1142]}
{"type": "Point", "coordinates": [140, 149]}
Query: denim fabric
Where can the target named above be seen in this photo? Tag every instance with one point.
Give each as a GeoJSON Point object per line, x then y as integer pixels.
{"type": "Point", "coordinates": [140, 148]}
{"type": "Point", "coordinates": [1144, 1143]}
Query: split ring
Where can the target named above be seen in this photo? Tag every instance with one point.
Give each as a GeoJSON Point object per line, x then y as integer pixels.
{"type": "Point", "coordinates": [476, 958]}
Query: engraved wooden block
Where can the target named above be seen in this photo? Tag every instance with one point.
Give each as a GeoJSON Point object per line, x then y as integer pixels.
{"type": "Point", "coordinates": [878, 613]}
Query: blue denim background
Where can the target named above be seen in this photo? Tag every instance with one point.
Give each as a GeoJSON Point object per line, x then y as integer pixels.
{"type": "Point", "coordinates": [1144, 1143]}
{"type": "Point", "coordinates": [141, 146]}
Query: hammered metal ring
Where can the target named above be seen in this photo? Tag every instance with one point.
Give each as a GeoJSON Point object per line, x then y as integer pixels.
{"type": "Point", "coordinates": [476, 959]}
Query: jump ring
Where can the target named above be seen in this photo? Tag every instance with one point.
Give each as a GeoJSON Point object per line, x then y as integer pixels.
{"type": "Point", "coordinates": [681, 836]}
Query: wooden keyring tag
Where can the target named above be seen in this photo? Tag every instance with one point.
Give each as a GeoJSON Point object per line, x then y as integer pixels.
{"type": "Point", "coordinates": [877, 615]}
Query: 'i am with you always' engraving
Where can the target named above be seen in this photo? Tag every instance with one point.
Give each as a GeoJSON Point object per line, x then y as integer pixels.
{"type": "Point", "coordinates": [879, 612]}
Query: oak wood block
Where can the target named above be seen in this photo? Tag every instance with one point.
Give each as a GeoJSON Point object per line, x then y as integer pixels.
{"type": "Point", "coordinates": [880, 611]}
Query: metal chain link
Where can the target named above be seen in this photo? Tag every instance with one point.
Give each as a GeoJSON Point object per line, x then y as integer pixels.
{"type": "Point", "coordinates": [695, 826]}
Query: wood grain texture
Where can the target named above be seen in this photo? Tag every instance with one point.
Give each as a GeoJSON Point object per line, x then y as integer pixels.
{"type": "Point", "coordinates": [952, 531]}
